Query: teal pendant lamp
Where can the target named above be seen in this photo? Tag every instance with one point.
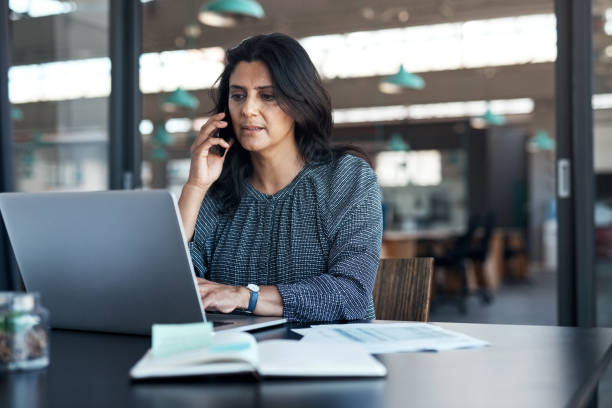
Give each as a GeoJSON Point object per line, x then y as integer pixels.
{"type": "Point", "coordinates": [161, 139]}
{"type": "Point", "coordinates": [16, 113]}
{"type": "Point", "coordinates": [403, 79]}
{"type": "Point", "coordinates": [159, 153]}
{"type": "Point", "coordinates": [161, 136]}
{"type": "Point", "coordinates": [541, 141]}
{"type": "Point", "coordinates": [179, 99]}
{"type": "Point", "coordinates": [227, 13]}
{"type": "Point", "coordinates": [491, 118]}
{"type": "Point", "coordinates": [398, 144]}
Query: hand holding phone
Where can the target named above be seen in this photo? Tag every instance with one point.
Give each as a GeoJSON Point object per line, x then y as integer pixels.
{"type": "Point", "coordinates": [222, 133]}
{"type": "Point", "coordinates": [206, 161]}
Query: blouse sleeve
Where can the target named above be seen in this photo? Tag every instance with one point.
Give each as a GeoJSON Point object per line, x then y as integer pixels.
{"type": "Point", "coordinates": [200, 247]}
{"type": "Point", "coordinates": [345, 291]}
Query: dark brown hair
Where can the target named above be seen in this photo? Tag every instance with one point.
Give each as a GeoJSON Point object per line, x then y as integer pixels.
{"type": "Point", "coordinates": [299, 92]}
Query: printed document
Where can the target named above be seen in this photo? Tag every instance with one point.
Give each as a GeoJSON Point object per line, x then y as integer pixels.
{"type": "Point", "coordinates": [390, 337]}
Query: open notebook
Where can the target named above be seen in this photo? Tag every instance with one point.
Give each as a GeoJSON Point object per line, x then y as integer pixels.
{"type": "Point", "coordinates": [239, 353]}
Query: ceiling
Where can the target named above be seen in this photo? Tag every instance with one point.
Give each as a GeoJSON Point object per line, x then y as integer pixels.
{"type": "Point", "coordinates": [84, 34]}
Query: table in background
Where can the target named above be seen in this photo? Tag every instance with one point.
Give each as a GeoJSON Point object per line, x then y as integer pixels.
{"type": "Point", "coordinates": [405, 244]}
{"type": "Point", "coordinates": [527, 366]}
{"type": "Point", "coordinates": [414, 243]}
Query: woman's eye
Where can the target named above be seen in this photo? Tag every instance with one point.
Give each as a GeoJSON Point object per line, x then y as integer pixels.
{"type": "Point", "coordinates": [267, 97]}
{"type": "Point", "coordinates": [237, 97]}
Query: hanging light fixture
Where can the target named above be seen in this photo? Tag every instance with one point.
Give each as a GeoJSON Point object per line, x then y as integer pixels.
{"type": "Point", "coordinates": [179, 99]}
{"type": "Point", "coordinates": [491, 118]}
{"type": "Point", "coordinates": [227, 13]}
{"type": "Point", "coordinates": [541, 141]}
{"type": "Point", "coordinates": [403, 79]}
{"type": "Point", "coordinates": [16, 113]}
{"type": "Point", "coordinates": [161, 136]}
{"type": "Point", "coordinates": [397, 143]}
{"type": "Point", "coordinates": [161, 139]}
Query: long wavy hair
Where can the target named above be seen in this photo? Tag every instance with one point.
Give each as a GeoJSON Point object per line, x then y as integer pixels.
{"type": "Point", "coordinates": [299, 92]}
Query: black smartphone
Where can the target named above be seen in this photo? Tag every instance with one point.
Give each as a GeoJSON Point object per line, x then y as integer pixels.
{"type": "Point", "coordinates": [223, 133]}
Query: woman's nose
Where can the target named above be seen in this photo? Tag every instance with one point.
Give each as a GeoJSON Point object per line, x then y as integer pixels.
{"type": "Point", "coordinates": [250, 107]}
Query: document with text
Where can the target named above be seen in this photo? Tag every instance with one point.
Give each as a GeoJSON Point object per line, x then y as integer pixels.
{"type": "Point", "coordinates": [390, 337]}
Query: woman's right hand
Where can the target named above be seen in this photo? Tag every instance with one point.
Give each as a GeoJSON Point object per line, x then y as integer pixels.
{"type": "Point", "coordinates": [206, 166]}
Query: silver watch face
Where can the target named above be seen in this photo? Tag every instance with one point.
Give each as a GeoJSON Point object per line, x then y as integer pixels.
{"type": "Point", "coordinates": [253, 287]}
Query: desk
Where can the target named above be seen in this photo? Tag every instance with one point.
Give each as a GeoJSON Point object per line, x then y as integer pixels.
{"type": "Point", "coordinates": [404, 244]}
{"type": "Point", "coordinates": [527, 366]}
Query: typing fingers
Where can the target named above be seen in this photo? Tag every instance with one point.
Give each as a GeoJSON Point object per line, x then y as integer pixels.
{"type": "Point", "coordinates": [215, 296]}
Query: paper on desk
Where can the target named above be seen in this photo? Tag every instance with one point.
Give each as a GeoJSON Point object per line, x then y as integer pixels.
{"type": "Point", "coordinates": [169, 339]}
{"type": "Point", "coordinates": [391, 337]}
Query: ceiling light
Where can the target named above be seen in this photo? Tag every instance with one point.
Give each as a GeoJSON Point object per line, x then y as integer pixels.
{"type": "Point", "coordinates": [368, 13]}
{"type": "Point", "coordinates": [403, 16]}
{"type": "Point", "coordinates": [42, 8]}
{"type": "Point", "coordinates": [491, 118]}
{"type": "Point", "coordinates": [608, 21]}
{"type": "Point", "coordinates": [161, 136]}
{"type": "Point", "coordinates": [541, 141]}
{"type": "Point", "coordinates": [145, 127]}
{"type": "Point", "coordinates": [193, 31]}
{"type": "Point", "coordinates": [178, 125]}
{"type": "Point", "coordinates": [16, 113]}
{"type": "Point", "coordinates": [473, 109]}
{"type": "Point", "coordinates": [227, 13]}
{"type": "Point", "coordinates": [397, 143]}
{"type": "Point", "coordinates": [403, 79]}
{"type": "Point", "coordinates": [179, 99]}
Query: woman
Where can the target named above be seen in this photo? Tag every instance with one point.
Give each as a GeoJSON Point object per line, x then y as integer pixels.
{"type": "Point", "coordinates": [280, 224]}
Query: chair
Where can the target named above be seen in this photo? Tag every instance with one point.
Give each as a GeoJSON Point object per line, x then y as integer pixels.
{"type": "Point", "coordinates": [478, 255]}
{"type": "Point", "coordinates": [402, 289]}
{"type": "Point", "coordinates": [515, 256]}
{"type": "Point", "coordinates": [453, 262]}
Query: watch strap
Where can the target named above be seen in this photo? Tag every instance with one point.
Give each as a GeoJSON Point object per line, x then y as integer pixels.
{"type": "Point", "coordinates": [252, 301]}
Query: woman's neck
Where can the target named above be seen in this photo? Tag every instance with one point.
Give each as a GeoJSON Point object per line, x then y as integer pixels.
{"type": "Point", "coordinates": [272, 174]}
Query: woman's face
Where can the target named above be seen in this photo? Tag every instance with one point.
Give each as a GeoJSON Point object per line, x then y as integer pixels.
{"type": "Point", "coordinates": [259, 122]}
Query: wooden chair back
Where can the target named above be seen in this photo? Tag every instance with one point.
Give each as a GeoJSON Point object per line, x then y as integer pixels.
{"type": "Point", "coordinates": [402, 290]}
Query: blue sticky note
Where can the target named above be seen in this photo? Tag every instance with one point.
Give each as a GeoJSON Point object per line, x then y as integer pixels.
{"type": "Point", "coordinates": [169, 339]}
{"type": "Point", "coordinates": [229, 348]}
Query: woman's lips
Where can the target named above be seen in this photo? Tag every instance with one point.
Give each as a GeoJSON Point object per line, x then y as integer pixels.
{"type": "Point", "coordinates": [250, 129]}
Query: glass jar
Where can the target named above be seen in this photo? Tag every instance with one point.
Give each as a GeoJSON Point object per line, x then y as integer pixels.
{"type": "Point", "coordinates": [24, 332]}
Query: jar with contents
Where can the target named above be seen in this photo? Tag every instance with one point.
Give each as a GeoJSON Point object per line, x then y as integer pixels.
{"type": "Point", "coordinates": [24, 332]}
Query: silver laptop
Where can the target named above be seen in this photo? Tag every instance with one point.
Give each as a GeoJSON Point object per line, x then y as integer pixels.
{"type": "Point", "coordinates": [112, 261]}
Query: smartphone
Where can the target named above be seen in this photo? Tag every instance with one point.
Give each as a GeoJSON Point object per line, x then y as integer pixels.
{"type": "Point", "coordinates": [223, 133]}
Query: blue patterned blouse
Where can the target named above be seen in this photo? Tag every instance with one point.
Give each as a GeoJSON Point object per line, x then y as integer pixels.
{"type": "Point", "coordinates": [318, 240]}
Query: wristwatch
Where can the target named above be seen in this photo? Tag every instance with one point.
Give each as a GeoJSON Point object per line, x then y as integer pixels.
{"type": "Point", "coordinates": [254, 295]}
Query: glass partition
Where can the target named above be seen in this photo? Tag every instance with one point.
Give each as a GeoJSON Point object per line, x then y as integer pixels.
{"type": "Point", "coordinates": [59, 84]}
{"type": "Point", "coordinates": [602, 157]}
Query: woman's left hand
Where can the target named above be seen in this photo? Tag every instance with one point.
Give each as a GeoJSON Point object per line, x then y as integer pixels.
{"type": "Point", "coordinates": [222, 298]}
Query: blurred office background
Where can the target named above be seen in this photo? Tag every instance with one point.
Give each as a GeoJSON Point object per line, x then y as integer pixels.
{"type": "Point", "coordinates": [465, 147]}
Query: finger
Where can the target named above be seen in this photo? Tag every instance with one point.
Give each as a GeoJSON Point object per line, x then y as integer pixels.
{"type": "Point", "coordinates": [206, 304]}
{"type": "Point", "coordinates": [202, 292]}
{"type": "Point", "coordinates": [209, 304]}
{"type": "Point", "coordinates": [214, 118]}
{"type": "Point", "coordinates": [231, 143]}
{"type": "Point", "coordinates": [205, 288]}
{"type": "Point", "coordinates": [208, 129]}
{"type": "Point", "coordinates": [211, 125]}
{"type": "Point", "coordinates": [209, 133]}
{"type": "Point", "coordinates": [204, 148]}
{"type": "Point", "coordinates": [202, 280]}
